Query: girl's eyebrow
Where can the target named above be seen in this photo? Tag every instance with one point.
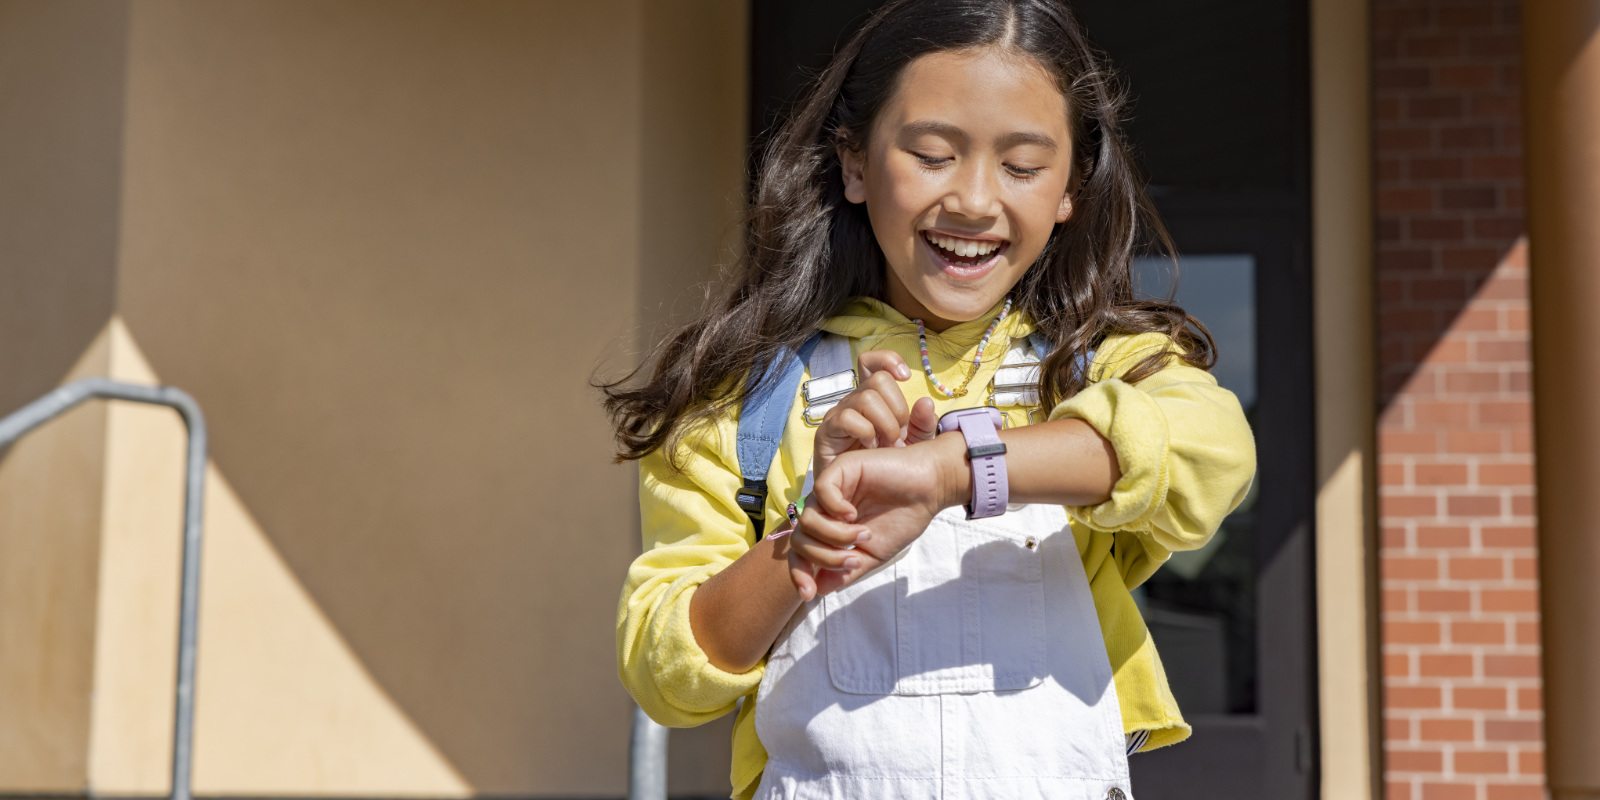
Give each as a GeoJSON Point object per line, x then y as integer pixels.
{"type": "Point", "coordinates": [948, 131]}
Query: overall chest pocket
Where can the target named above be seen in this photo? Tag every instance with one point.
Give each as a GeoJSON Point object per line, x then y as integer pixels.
{"type": "Point", "coordinates": [960, 611]}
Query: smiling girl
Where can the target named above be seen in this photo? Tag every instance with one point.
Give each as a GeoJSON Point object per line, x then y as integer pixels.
{"type": "Point", "coordinates": [1020, 443]}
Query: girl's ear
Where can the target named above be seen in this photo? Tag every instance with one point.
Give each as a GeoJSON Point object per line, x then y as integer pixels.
{"type": "Point", "coordinates": [851, 166]}
{"type": "Point", "coordinates": [1064, 211]}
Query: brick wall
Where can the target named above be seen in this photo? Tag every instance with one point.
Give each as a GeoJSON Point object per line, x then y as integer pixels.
{"type": "Point", "coordinates": [1460, 638]}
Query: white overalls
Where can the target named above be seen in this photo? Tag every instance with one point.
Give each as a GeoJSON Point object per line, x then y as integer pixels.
{"type": "Point", "coordinates": [970, 666]}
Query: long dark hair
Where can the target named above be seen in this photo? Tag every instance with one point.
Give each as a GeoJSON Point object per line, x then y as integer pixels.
{"type": "Point", "coordinates": [807, 250]}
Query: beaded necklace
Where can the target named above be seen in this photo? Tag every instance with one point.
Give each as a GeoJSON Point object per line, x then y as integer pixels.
{"type": "Point", "coordinates": [977, 359]}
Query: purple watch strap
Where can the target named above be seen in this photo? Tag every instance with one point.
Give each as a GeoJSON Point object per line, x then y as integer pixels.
{"type": "Point", "coordinates": [990, 490]}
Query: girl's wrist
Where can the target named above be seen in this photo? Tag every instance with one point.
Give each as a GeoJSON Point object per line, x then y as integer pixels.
{"type": "Point", "coordinates": [954, 483]}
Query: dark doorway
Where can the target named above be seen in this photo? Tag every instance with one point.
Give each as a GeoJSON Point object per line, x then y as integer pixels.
{"type": "Point", "coordinates": [1220, 120]}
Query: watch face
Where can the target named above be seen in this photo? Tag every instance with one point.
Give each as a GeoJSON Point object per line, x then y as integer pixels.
{"type": "Point", "coordinates": [951, 420]}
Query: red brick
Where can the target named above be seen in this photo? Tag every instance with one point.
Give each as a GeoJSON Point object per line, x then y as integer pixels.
{"type": "Point", "coordinates": [1481, 762]}
{"type": "Point", "coordinates": [1505, 474]}
{"type": "Point", "coordinates": [1469, 198]}
{"type": "Point", "coordinates": [1441, 665]}
{"type": "Point", "coordinates": [1515, 198]}
{"type": "Point", "coordinates": [1468, 76]}
{"type": "Point", "coordinates": [1394, 140]}
{"type": "Point", "coordinates": [1530, 762]}
{"type": "Point", "coordinates": [1462, 632]}
{"type": "Point", "coordinates": [1397, 790]}
{"type": "Point", "coordinates": [1449, 229]}
{"type": "Point", "coordinates": [1441, 474]}
{"type": "Point", "coordinates": [1396, 201]}
{"type": "Point", "coordinates": [1510, 601]}
{"type": "Point", "coordinates": [1506, 228]}
{"type": "Point", "coordinates": [1391, 505]}
{"type": "Point", "coordinates": [1397, 665]}
{"type": "Point", "coordinates": [1505, 284]}
{"type": "Point", "coordinates": [1411, 633]}
{"type": "Point", "coordinates": [1430, 46]}
{"type": "Point", "coordinates": [1449, 791]}
{"type": "Point", "coordinates": [1403, 443]}
{"type": "Point", "coordinates": [1476, 16]}
{"type": "Point", "coordinates": [1442, 412]}
{"type": "Point", "coordinates": [1514, 791]}
{"type": "Point", "coordinates": [1396, 259]}
{"type": "Point", "coordinates": [1473, 506]}
{"type": "Point", "coordinates": [1504, 106]}
{"type": "Point", "coordinates": [1447, 730]}
{"type": "Point", "coordinates": [1466, 137]}
{"type": "Point", "coordinates": [1434, 168]}
{"type": "Point", "coordinates": [1415, 761]}
{"type": "Point", "coordinates": [1402, 78]}
{"type": "Point", "coordinates": [1396, 729]}
{"type": "Point", "coordinates": [1478, 319]}
{"type": "Point", "coordinates": [1516, 319]}
{"type": "Point", "coordinates": [1396, 600]}
{"type": "Point", "coordinates": [1515, 351]}
{"type": "Point", "coordinates": [1474, 381]}
{"type": "Point", "coordinates": [1396, 568]}
{"type": "Point", "coordinates": [1527, 633]}
{"type": "Point", "coordinates": [1437, 289]}
{"type": "Point", "coordinates": [1505, 730]}
{"type": "Point", "coordinates": [1492, 166]}
{"type": "Point", "coordinates": [1530, 699]}
{"type": "Point", "coordinates": [1505, 413]}
{"type": "Point", "coordinates": [1443, 600]}
{"type": "Point", "coordinates": [1400, 321]}
{"type": "Point", "coordinates": [1471, 259]}
{"type": "Point", "coordinates": [1393, 475]}
{"type": "Point", "coordinates": [1443, 536]}
{"type": "Point", "coordinates": [1504, 666]}
{"type": "Point", "coordinates": [1386, 109]}
{"type": "Point", "coordinates": [1473, 442]}
{"type": "Point", "coordinates": [1467, 568]}
{"type": "Point", "coordinates": [1523, 505]}
{"type": "Point", "coordinates": [1511, 138]}
{"type": "Point", "coordinates": [1507, 536]}
{"type": "Point", "coordinates": [1428, 697]}
{"type": "Point", "coordinates": [1525, 569]}
{"type": "Point", "coordinates": [1477, 698]}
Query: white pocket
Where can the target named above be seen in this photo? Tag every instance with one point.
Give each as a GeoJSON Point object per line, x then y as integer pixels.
{"type": "Point", "coordinates": [961, 611]}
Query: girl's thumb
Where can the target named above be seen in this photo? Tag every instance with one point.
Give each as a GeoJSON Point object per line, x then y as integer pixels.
{"type": "Point", "coordinates": [924, 425]}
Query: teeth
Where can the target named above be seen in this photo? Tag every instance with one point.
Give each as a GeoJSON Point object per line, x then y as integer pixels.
{"type": "Point", "coordinates": [966, 248]}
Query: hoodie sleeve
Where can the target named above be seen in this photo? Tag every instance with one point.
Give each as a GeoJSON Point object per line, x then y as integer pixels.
{"type": "Point", "coordinates": [1185, 449]}
{"type": "Point", "coordinates": [692, 530]}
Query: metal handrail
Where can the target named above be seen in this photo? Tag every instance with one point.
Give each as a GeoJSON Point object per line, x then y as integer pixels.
{"type": "Point", "coordinates": [647, 758]}
{"type": "Point", "coordinates": [61, 400]}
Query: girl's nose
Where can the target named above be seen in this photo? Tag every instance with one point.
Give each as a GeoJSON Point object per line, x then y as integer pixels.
{"type": "Point", "coordinates": [976, 192]}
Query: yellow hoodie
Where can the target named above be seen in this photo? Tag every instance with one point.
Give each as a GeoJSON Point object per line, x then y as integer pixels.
{"type": "Point", "coordinates": [1187, 459]}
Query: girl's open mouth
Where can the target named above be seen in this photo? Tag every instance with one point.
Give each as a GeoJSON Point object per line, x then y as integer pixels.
{"type": "Point", "coordinates": [965, 254]}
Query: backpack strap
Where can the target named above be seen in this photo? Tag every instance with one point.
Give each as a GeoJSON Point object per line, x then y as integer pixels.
{"type": "Point", "coordinates": [761, 421]}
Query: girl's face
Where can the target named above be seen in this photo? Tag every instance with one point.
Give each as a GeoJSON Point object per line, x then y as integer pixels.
{"type": "Point", "coordinates": [964, 173]}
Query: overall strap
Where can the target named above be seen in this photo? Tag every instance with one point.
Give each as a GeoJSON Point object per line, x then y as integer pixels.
{"type": "Point", "coordinates": [761, 421]}
{"type": "Point", "coordinates": [833, 376]}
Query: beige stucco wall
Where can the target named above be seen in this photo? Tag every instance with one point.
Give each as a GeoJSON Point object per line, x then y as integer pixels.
{"type": "Point", "coordinates": [385, 246]}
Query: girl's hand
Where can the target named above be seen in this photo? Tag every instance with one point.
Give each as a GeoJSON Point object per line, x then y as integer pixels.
{"type": "Point", "coordinates": [867, 506]}
{"type": "Point", "coordinates": [875, 414]}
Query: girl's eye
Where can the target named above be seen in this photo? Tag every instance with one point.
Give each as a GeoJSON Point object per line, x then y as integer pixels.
{"type": "Point", "coordinates": [932, 162]}
{"type": "Point", "coordinates": [1024, 172]}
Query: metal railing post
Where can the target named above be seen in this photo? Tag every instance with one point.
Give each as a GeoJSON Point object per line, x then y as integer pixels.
{"type": "Point", "coordinates": [61, 400]}
{"type": "Point", "coordinates": [647, 758]}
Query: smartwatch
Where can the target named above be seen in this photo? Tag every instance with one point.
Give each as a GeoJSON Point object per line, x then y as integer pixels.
{"type": "Point", "coordinates": [987, 454]}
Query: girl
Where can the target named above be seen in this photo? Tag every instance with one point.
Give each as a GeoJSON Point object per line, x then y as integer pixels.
{"type": "Point", "coordinates": [954, 207]}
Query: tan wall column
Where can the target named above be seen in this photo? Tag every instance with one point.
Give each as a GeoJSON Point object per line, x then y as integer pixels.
{"type": "Point", "coordinates": [1342, 213]}
{"type": "Point", "coordinates": [1561, 44]}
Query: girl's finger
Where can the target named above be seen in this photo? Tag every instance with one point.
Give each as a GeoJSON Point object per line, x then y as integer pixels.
{"type": "Point", "coordinates": [819, 555]}
{"type": "Point", "coordinates": [828, 495]}
{"type": "Point", "coordinates": [884, 361]}
{"type": "Point", "coordinates": [832, 532]}
{"type": "Point", "coordinates": [800, 572]}
{"type": "Point", "coordinates": [887, 427]}
{"type": "Point", "coordinates": [883, 384]}
{"type": "Point", "coordinates": [924, 423]}
{"type": "Point", "coordinates": [842, 427]}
